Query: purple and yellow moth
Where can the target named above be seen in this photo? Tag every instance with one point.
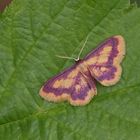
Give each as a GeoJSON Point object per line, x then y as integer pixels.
{"type": "Point", "coordinates": [77, 83]}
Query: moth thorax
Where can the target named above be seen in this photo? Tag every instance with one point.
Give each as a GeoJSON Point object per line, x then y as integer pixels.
{"type": "Point", "coordinates": [82, 66]}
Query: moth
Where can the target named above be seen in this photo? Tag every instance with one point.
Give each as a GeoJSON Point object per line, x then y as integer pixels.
{"type": "Point", "coordinates": [77, 83]}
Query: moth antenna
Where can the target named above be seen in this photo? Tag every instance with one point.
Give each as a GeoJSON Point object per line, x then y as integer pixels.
{"type": "Point", "coordinates": [66, 57]}
{"type": "Point", "coordinates": [72, 58]}
{"type": "Point", "coordinates": [83, 47]}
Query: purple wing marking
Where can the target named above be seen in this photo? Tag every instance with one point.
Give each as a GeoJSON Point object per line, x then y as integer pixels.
{"type": "Point", "coordinates": [104, 62]}
{"type": "Point", "coordinates": [72, 85]}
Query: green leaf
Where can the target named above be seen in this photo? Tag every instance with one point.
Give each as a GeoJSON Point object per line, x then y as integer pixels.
{"type": "Point", "coordinates": [31, 34]}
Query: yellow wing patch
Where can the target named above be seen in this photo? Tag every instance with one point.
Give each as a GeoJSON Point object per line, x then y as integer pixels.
{"type": "Point", "coordinates": [67, 82]}
{"type": "Point", "coordinates": [102, 57]}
